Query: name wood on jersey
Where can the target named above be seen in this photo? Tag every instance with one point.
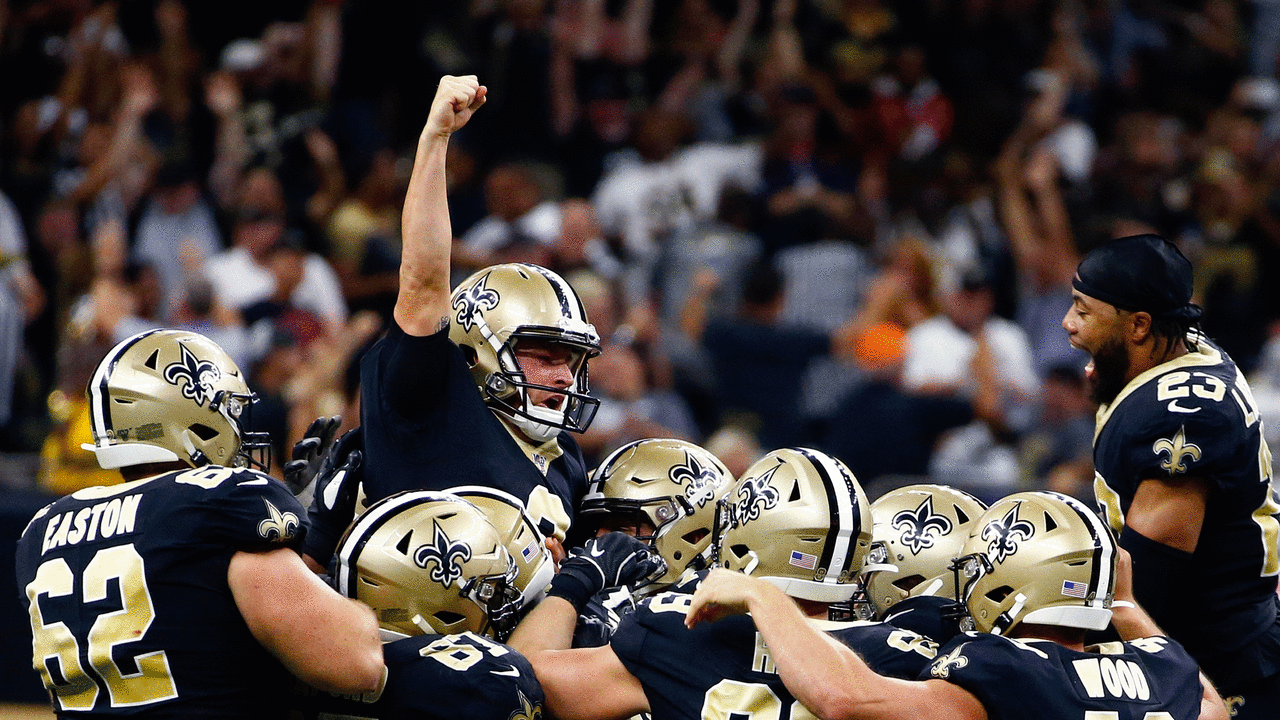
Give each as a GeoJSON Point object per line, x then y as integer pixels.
{"type": "Point", "coordinates": [100, 520]}
{"type": "Point", "coordinates": [1115, 677]}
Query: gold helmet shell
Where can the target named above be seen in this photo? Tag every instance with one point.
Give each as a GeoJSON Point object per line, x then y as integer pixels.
{"type": "Point", "coordinates": [1039, 557]}
{"type": "Point", "coordinates": [171, 396]}
{"type": "Point", "coordinates": [672, 485]}
{"type": "Point", "coordinates": [919, 530]}
{"type": "Point", "coordinates": [429, 562]}
{"type": "Point", "coordinates": [800, 520]}
{"type": "Point", "coordinates": [520, 535]}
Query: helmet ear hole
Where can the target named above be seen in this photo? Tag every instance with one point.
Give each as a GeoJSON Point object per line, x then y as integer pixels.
{"type": "Point", "coordinates": [469, 354]}
{"type": "Point", "coordinates": [908, 582]}
{"type": "Point", "coordinates": [204, 432]}
{"type": "Point", "coordinates": [695, 536]}
{"type": "Point", "coordinates": [999, 594]}
{"type": "Point", "coordinates": [447, 618]}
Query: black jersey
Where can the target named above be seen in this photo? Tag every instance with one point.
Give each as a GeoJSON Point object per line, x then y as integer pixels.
{"type": "Point", "coordinates": [426, 427]}
{"type": "Point", "coordinates": [1195, 417]}
{"type": "Point", "coordinates": [722, 669]}
{"type": "Point", "coordinates": [1018, 679]}
{"type": "Point", "coordinates": [439, 677]}
{"type": "Point", "coordinates": [127, 589]}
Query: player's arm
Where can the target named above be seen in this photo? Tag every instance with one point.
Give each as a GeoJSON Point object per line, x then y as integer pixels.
{"type": "Point", "coordinates": [609, 561]}
{"type": "Point", "coordinates": [1211, 705]}
{"type": "Point", "coordinates": [548, 626]}
{"type": "Point", "coordinates": [824, 675]}
{"type": "Point", "coordinates": [588, 684]}
{"type": "Point", "coordinates": [422, 302]}
{"type": "Point", "coordinates": [326, 640]}
{"type": "Point", "coordinates": [1162, 529]}
{"type": "Point", "coordinates": [1132, 622]}
{"type": "Point", "coordinates": [1169, 511]}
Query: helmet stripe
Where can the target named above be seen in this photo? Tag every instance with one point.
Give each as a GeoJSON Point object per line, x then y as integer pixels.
{"type": "Point", "coordinates": [99, 412]}
{"type": "Point", "coordinates": [1104, 548]}
{"type": "Point", "coordinates": [595, 484]}
{"type": "Point", "coordinates": [367, 524]}
{"type": "Point", "coordinates": [563, 293]}
{"type": "Point", "coordinates": [837, 551]}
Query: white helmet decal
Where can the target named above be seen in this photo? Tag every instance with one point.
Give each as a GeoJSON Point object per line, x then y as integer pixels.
{"type": "Point", "coordinates": [757, 495]}
{"type": "Point", "coordinates": [446, 554]}
{"type": "Point", "coordinates": [195, 377]}
{"type": "Point", "coordinates": [1005, 533]}
{"type": "Point", "coordinates": [921, 527]}
{"type": "Point", "coordinates": [472, 302]}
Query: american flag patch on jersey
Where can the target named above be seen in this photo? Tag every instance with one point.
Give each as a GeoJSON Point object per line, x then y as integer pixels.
{"type": "Point", "coordinates": [1071, 588]}
{"type": "Point", "coordinates": [803, 560]}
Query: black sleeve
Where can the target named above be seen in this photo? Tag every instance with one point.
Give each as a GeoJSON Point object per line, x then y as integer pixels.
{"type": "Point", "coordinates": [408, 372]}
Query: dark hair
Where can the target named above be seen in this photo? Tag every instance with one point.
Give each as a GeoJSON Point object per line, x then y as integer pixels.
{"type": "Point", "coordinates": [1168, 330]}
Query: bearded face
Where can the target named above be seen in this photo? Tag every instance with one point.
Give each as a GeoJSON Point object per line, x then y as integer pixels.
{"type": "Point", "coordinates": [1110, 365]}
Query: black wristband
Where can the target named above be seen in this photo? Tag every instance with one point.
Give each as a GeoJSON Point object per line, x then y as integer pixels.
{"type": "Point", "coordinates": [572, 588]}
{"type": "Point", "coordinates": [1159, 573]}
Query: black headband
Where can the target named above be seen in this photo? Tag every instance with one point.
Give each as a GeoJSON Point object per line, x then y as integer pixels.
{"type": "Point", "coordinates": [1140, 273]}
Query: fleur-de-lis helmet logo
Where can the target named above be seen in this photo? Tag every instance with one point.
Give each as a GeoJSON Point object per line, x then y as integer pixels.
{"type": "Point", "coordinates": [1176, 448]}
{"type": "Point", "coordinates": [921, 527]}
{"type": "Point", "coordinates": [277, 525]}
{"type": "Point", "coordinates": [446, 554]}
{"type": "Point", "coordinates": [528, 710]}
{"type": "Point", "coordinates": [1003, 535]}
{"type": "Point", "coordinates": [471, 303]}
{"type": "Point", "coordinates": [195, 377]}
{"type": "Point", "coordinates": [698, 481]}
{"type": "Point", "coordinates": [757, 495]}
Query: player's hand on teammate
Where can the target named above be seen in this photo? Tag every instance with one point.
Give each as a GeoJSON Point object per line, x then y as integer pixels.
{"type": "Point", "coordinates": [720, 594]}
{"type": "Point", "coordinates": [613, 560]}
{"type": "Point", "coordinates": [309, 452]}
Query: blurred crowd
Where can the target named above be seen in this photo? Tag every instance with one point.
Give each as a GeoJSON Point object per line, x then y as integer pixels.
{"type": "Point", "coordinates": [844, 224]}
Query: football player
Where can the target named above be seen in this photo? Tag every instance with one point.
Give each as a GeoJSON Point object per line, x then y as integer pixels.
{"type": "Point", "coordinates": [800, 522]}
{"type": "Point", "coordinates": [181, 591]}
{"type": "Point", "coordinates": [918, 530]}
{"type": "Point", "coordinates": [662, 491]}
{"type": "Point", "coordinates": [444, 585]}
{"type": "Point", "coordinates": [481, 383]}
{"type": "Point", "coordinates": [1040, 571]}
{"type": "Point", "coordinates": [1183, 473]}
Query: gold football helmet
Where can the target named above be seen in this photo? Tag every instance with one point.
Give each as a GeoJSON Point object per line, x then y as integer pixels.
{"type": "Point", "coordinates": [520, 535]}
{"type": "Point", "coordinates": [918, 530]}
{"type": "Point", "coordinates": [670, 484]}
{"type": "Point", "coordinates": [429, 562]}
{"type": "Point", "coordinates": [172, 395]}
{"type": "Point", "coordinates": [800, 520]}
{"type": "Point", "coordinates": [497, 308]}
{"type": "Point", "coordinates": [1038, 557]}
